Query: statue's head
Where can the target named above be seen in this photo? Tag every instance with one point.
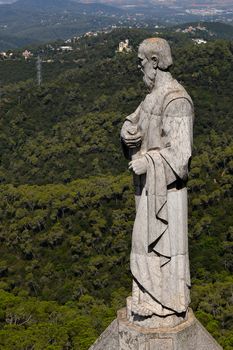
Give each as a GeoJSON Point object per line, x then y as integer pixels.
{"type": "Point", "coordinates": [153, 54]}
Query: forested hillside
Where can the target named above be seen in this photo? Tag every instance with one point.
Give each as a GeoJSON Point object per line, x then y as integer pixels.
{"type": "Point", "coordinates": [66, 198]}
{"type": "Point", "coordinates": [25, 22]}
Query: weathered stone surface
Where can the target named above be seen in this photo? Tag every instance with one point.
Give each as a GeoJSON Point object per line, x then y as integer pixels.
{"type": "Point", "coordinates": [157, 138]}
{"type": "Point", "coordinates": [123, 335]}
{"type": "Point", "coordinates": [109, 339]}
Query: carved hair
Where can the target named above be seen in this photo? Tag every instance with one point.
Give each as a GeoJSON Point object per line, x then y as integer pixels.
{"type": "Point", "coordinates": [160, 48]}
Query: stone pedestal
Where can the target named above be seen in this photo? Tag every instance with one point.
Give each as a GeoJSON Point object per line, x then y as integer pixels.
{"type": "Point", "coordinates": [123, 335]}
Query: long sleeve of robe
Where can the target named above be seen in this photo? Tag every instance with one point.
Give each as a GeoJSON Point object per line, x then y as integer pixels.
{"type": "Point", "coordinates": [177, 128]}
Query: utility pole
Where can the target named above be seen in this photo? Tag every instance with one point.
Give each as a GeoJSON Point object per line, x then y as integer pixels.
{"type": "Point", "coordinates": [39, 70]}
{"type": "Point", "coordinates": [1, 85]}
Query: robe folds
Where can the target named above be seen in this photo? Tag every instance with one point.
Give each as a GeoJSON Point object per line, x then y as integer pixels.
{"type": "Point", "coordinates": [159, 256]}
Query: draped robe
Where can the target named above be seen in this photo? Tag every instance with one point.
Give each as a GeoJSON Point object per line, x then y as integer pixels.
{"type": "Point", "coordinates": [159, 256]}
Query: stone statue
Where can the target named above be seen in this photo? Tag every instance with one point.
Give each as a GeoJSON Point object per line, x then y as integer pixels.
{"type": "Point", "coordinates": [157, 139]}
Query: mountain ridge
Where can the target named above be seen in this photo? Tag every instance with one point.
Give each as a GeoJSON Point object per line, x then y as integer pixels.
{"type": "Point", "coordinates": [40, 21]}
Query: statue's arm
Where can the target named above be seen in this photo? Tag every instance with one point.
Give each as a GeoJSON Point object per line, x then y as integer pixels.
{"type": "Point", "coordinates": [134, 117]}
{"type": "Point", "coordinates": [130, 135]}
{"type": "Point", "coordinates": [177, 132]}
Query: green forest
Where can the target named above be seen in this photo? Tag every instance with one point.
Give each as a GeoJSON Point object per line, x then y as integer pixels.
{"type": "Point", "coordinates": [66, 196]}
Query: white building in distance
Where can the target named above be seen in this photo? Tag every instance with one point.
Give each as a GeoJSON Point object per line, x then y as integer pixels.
{"type": "Point", "coordinates": [27, 54]}
{"type": "Point", "coordinates": [199, 41]}
{"type": "Point", "coordinates": [66, 48]}
{"type": "Point", "coordinates": [124, 46]}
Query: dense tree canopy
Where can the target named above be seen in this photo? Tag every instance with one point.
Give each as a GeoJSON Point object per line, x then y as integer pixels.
{"type": "Point", "coordinates": [66, 199]}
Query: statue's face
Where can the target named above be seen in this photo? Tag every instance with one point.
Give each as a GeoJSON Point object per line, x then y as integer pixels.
{"type": "Point", "coordinates": [148, 64]}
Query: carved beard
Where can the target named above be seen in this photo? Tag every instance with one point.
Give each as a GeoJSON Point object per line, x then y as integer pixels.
{"type": "Point", "coordinates": [149, 76]}
{"type": "Point", "coordinates": [149, 82]}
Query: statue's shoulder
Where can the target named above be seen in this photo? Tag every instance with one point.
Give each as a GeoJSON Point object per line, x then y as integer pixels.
{"type": "Point", "coordinates": [174, 92]}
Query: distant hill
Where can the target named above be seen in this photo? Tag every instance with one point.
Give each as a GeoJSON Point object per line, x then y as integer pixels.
{"type": "Point", "coordinates": [26, 22]}
{"type": "Point", "coordinates": [221, 30]}
{"type": "Point", "coordinates": [63, 6]}
{"type": "Point", "coordinates": [3, 2]}
{"type": "Point", "coordinates": [214, 29]}
{"type": "Point", "coordinates": [31, 21]}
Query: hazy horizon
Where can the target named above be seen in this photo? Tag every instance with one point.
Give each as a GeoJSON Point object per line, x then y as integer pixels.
{"type": "Point", "coordinates": [191, 2]}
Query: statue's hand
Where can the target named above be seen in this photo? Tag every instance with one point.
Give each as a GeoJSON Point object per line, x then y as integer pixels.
{"type": "Point", "coordinates": [139, 166]}
{"type": "Point", "coordinates": [130, 135]}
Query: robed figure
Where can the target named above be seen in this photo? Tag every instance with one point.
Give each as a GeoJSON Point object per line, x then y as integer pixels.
{"type": "Point", "coordinates": [157, 139]}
